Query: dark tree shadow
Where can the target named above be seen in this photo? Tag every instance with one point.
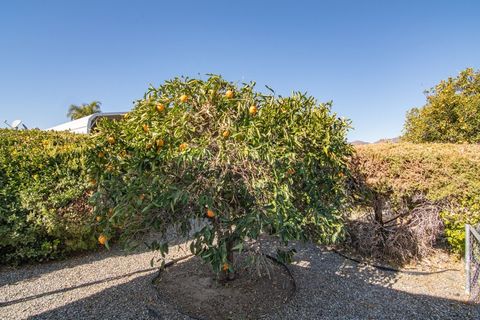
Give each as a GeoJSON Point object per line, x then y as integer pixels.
{"type": "Point", "coordinates": [13, 274]}
{"type": "Point", "coordinates": [10, 275]}
{"type": "Point", "coordinates": [331, 287]}
{"type": "Point", "coordinates": [328, 287]}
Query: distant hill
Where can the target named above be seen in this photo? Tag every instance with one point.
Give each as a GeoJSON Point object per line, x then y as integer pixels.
{"type": "Point", "coordinates": [359, 142]}
{"type": "Point", "coordinates": [391, 140]}
{"type": "Point", "coordinates": [386, 140]}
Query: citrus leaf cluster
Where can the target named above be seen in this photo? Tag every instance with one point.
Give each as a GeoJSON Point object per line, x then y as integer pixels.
{"type": "Point", "coordinates": [451, 114]}
{"type": "Point", "coordinates": [238, 161]}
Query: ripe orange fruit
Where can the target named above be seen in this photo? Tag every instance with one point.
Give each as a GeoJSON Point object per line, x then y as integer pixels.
{"type": "Point", "coordinates": [98, 218]}
{"type": "Point", "coordinates": [146, 128]}
{"type": "Point", "coordinates": [160, 107]}
{"type": "Point", "coordinates": [229, 94]}
{"type": "Point", "coordinates": [226, 134]}
{"type": "Point", "coordinates": [160, 143]}
{"type": "Point", "coordinates": [102, 239]}
{"type": "Point", "coordinates": [210, 213]}
{"type": "Point", "coordinates": [101, 154]}
{"type": "Point", "coordinates": [183, 98]}
{"type": "Point", "coordinates": [225, 266]}
{"type": "Point", "coordinates": [111, 140]}
{"type": "Point", "coordinates": [183, 146]}
{"type": "Point", "coordinates": [253, 110]}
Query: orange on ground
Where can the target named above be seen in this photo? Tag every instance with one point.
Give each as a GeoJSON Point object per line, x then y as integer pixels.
{"type": "Point", "coordinates": [102, 239]}
{"type": "Point", "coordinates": [183, 146]}
{"type": "Point", "coordinates": [210, 213]}
{"type": "Point", "coordinates": [183, 98]}
{"type": "Point", "coordinates": [253, 110]}
{"type": "Point", "coordinates": [226, 133]}
{"type": "Point", "coordinates": [229, 94]}
{"type": "Point", "coordinates": [160, 107]}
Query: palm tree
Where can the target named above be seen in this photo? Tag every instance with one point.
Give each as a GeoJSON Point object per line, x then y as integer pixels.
{"type": "Point", "coordinates": [77, 112]}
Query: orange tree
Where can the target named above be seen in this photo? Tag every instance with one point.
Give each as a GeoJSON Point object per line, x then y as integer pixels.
{"type": "Point", "coordinates": [239, 160]}
{"type": "Point", "coordinates": [451, 114]}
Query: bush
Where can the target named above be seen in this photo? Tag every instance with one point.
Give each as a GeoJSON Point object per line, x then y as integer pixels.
{"type": "Point", "coordinates": [240, 161]}
{"type": "Point", "coordinates": [410, 193]}
{"type": "Point", "coordinates": [43, 195]}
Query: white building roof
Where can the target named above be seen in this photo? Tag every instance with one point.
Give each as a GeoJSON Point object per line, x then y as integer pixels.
{"type": "Point", "coordinates": [85, 124]}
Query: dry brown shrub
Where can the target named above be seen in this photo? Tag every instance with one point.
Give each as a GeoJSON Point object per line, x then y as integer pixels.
{"type": "Point", "coordinates": [400, 237]}
{"type": "Point", "coordinates": [405, 198]}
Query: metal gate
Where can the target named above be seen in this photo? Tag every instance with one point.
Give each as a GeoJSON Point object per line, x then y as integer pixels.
{"type": "Point", "coordinates": [472, 262]}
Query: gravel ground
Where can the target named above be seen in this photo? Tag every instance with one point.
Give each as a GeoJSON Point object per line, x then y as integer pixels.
{"type": "Point", "coordinates": [111, 285]}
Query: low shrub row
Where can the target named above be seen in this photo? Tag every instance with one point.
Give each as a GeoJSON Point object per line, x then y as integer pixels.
{"type": "Point", "coordinates": [407, 196]}
{"type": "Point", "coordinates": [44, 212]}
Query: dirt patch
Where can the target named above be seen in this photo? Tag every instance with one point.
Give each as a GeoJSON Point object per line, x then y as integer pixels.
{"type": "Point", "coordinates": [192, 287]}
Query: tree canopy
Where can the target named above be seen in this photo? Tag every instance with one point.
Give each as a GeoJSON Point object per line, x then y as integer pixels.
{"type": "Point", "coordinates": [83, 110]}
{"type": "Point", "coordinates": [240, 161]}
{"type": "Point", "coordinates": [451, 114]}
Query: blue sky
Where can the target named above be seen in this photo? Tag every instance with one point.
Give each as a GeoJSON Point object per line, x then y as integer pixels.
{"type": "Point", "coordinates": [374, 59]}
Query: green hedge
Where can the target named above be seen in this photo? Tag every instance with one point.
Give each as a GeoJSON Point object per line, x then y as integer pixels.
{"type": "Point", "coordinates": [439, 178]}
{"type": "Point", "coordinates": [45, 214]}
{"type": "Point", "coordinates": [43, 195]}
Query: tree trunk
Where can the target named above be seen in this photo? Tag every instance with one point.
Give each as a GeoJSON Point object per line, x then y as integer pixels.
{"type": "Point", "coordinates": [378, 206]}
{"type": "Point", "coordinates": [228, 275]}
